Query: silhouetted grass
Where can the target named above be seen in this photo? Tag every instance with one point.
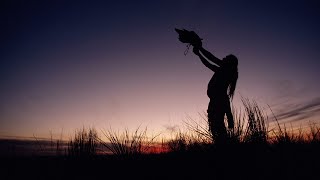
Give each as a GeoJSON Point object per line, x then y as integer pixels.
{"type": "Point", "coordinates": [84, 143]}
{"type": "Point", "coordinates": [284, 136]}
{"type": "Point", "coordinates": [128, 144]}
{"type": "Point", "coordinates": [251, 127]}
{"type": "Point", "coordinates": [313, 136]}
{"type": "Point", "coordinates": [252, 152]}
{"type": "Point", "coordinates": [178, 144]}
{"type": "Point", "coordinates": [58, 145]}
{"type": "Point", "coordinates": [257, 129]}
{"type": "Point", "coordinates": [50, 146]}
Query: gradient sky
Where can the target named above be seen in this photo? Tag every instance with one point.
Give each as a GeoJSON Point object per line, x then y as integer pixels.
{"type": "Point", "coordinates": [65, 65]}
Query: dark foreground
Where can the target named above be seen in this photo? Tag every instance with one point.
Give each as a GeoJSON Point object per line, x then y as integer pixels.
{"type": "Point", "coordinates": [249, 162]}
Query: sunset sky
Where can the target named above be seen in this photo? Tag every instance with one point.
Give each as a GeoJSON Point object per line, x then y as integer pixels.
{"type": "Point", "coordinates": [119, 64]}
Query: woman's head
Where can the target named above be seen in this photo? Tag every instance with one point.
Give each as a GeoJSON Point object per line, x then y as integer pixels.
{"type": "Point", "coordinates": [231, 61]}
{"type": "Point", "coordinates": [231, 64]}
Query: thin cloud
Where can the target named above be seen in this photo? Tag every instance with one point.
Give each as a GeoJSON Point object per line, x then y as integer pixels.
{"type": "Point", "coordinates": [301, 112]}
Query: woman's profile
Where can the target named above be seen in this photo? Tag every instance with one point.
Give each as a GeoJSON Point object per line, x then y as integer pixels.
{"type": "Point", "coordinates": [221, 87]}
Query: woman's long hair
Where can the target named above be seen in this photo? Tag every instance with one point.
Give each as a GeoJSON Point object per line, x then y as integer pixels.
{"type": "Point", "coordinates": [232, 63]}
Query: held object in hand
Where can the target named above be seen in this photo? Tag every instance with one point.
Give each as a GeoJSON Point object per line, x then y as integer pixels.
{"type": "Point", "coordinates": [189, 37]}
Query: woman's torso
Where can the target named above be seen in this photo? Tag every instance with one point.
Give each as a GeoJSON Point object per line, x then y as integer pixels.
{"type": "Point", "coordinates": [218, 85]}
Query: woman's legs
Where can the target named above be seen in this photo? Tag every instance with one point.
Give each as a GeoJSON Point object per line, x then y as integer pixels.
{"type": "Point", "coordinates": [216, 112]}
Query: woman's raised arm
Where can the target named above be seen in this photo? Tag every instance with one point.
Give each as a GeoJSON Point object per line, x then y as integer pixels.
{"type": "Point", "coordinates": [204, 60]}
{"type": "Point", "coordinates": [210, 56]}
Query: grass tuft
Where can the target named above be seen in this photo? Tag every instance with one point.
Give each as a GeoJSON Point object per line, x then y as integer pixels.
{"type": "Point", "coordinates": [128, 144]}
{"type": "Point", "coordinates": [84, 143]}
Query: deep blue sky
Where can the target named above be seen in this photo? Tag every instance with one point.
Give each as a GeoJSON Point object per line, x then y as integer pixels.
{"type": "Point", "coordinates": [65, 65]}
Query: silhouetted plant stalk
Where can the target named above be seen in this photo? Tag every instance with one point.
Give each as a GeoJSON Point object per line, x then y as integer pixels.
{"type": "Point", "coordinates": [197, 136]}
{"type": "Point", "coordinates": [199, 130]}
{"type": "Point", "coordinates": [257, 129]}
{"type": "Point", "coordinates": [51, 146]}
{"type": "Point", "coordinates": [84, 143]}
{"type": "Point", "coordinates": [178, 143]}
{"type": "Point", "coordinates": [314, 134]}
{"type": "Point", "coordinates": [127, 144]}
{"type": "Point", "coordinates": [282, 136]}
{"type": "Point", "coordinates": [58, 146]}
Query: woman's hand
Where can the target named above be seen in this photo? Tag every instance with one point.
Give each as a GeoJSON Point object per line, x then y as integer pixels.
{"type": "Point", "coordinates": [196, 41]}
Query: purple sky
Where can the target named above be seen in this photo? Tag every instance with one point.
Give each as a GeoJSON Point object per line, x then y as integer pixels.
{"type": "Point", "coordinates": [119, 64]}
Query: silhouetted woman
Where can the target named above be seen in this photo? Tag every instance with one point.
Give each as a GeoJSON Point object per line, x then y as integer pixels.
{"type": "Point", "coordinates": [221, 86]}
{"type": "Point", "coordinates": [220, 90]}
